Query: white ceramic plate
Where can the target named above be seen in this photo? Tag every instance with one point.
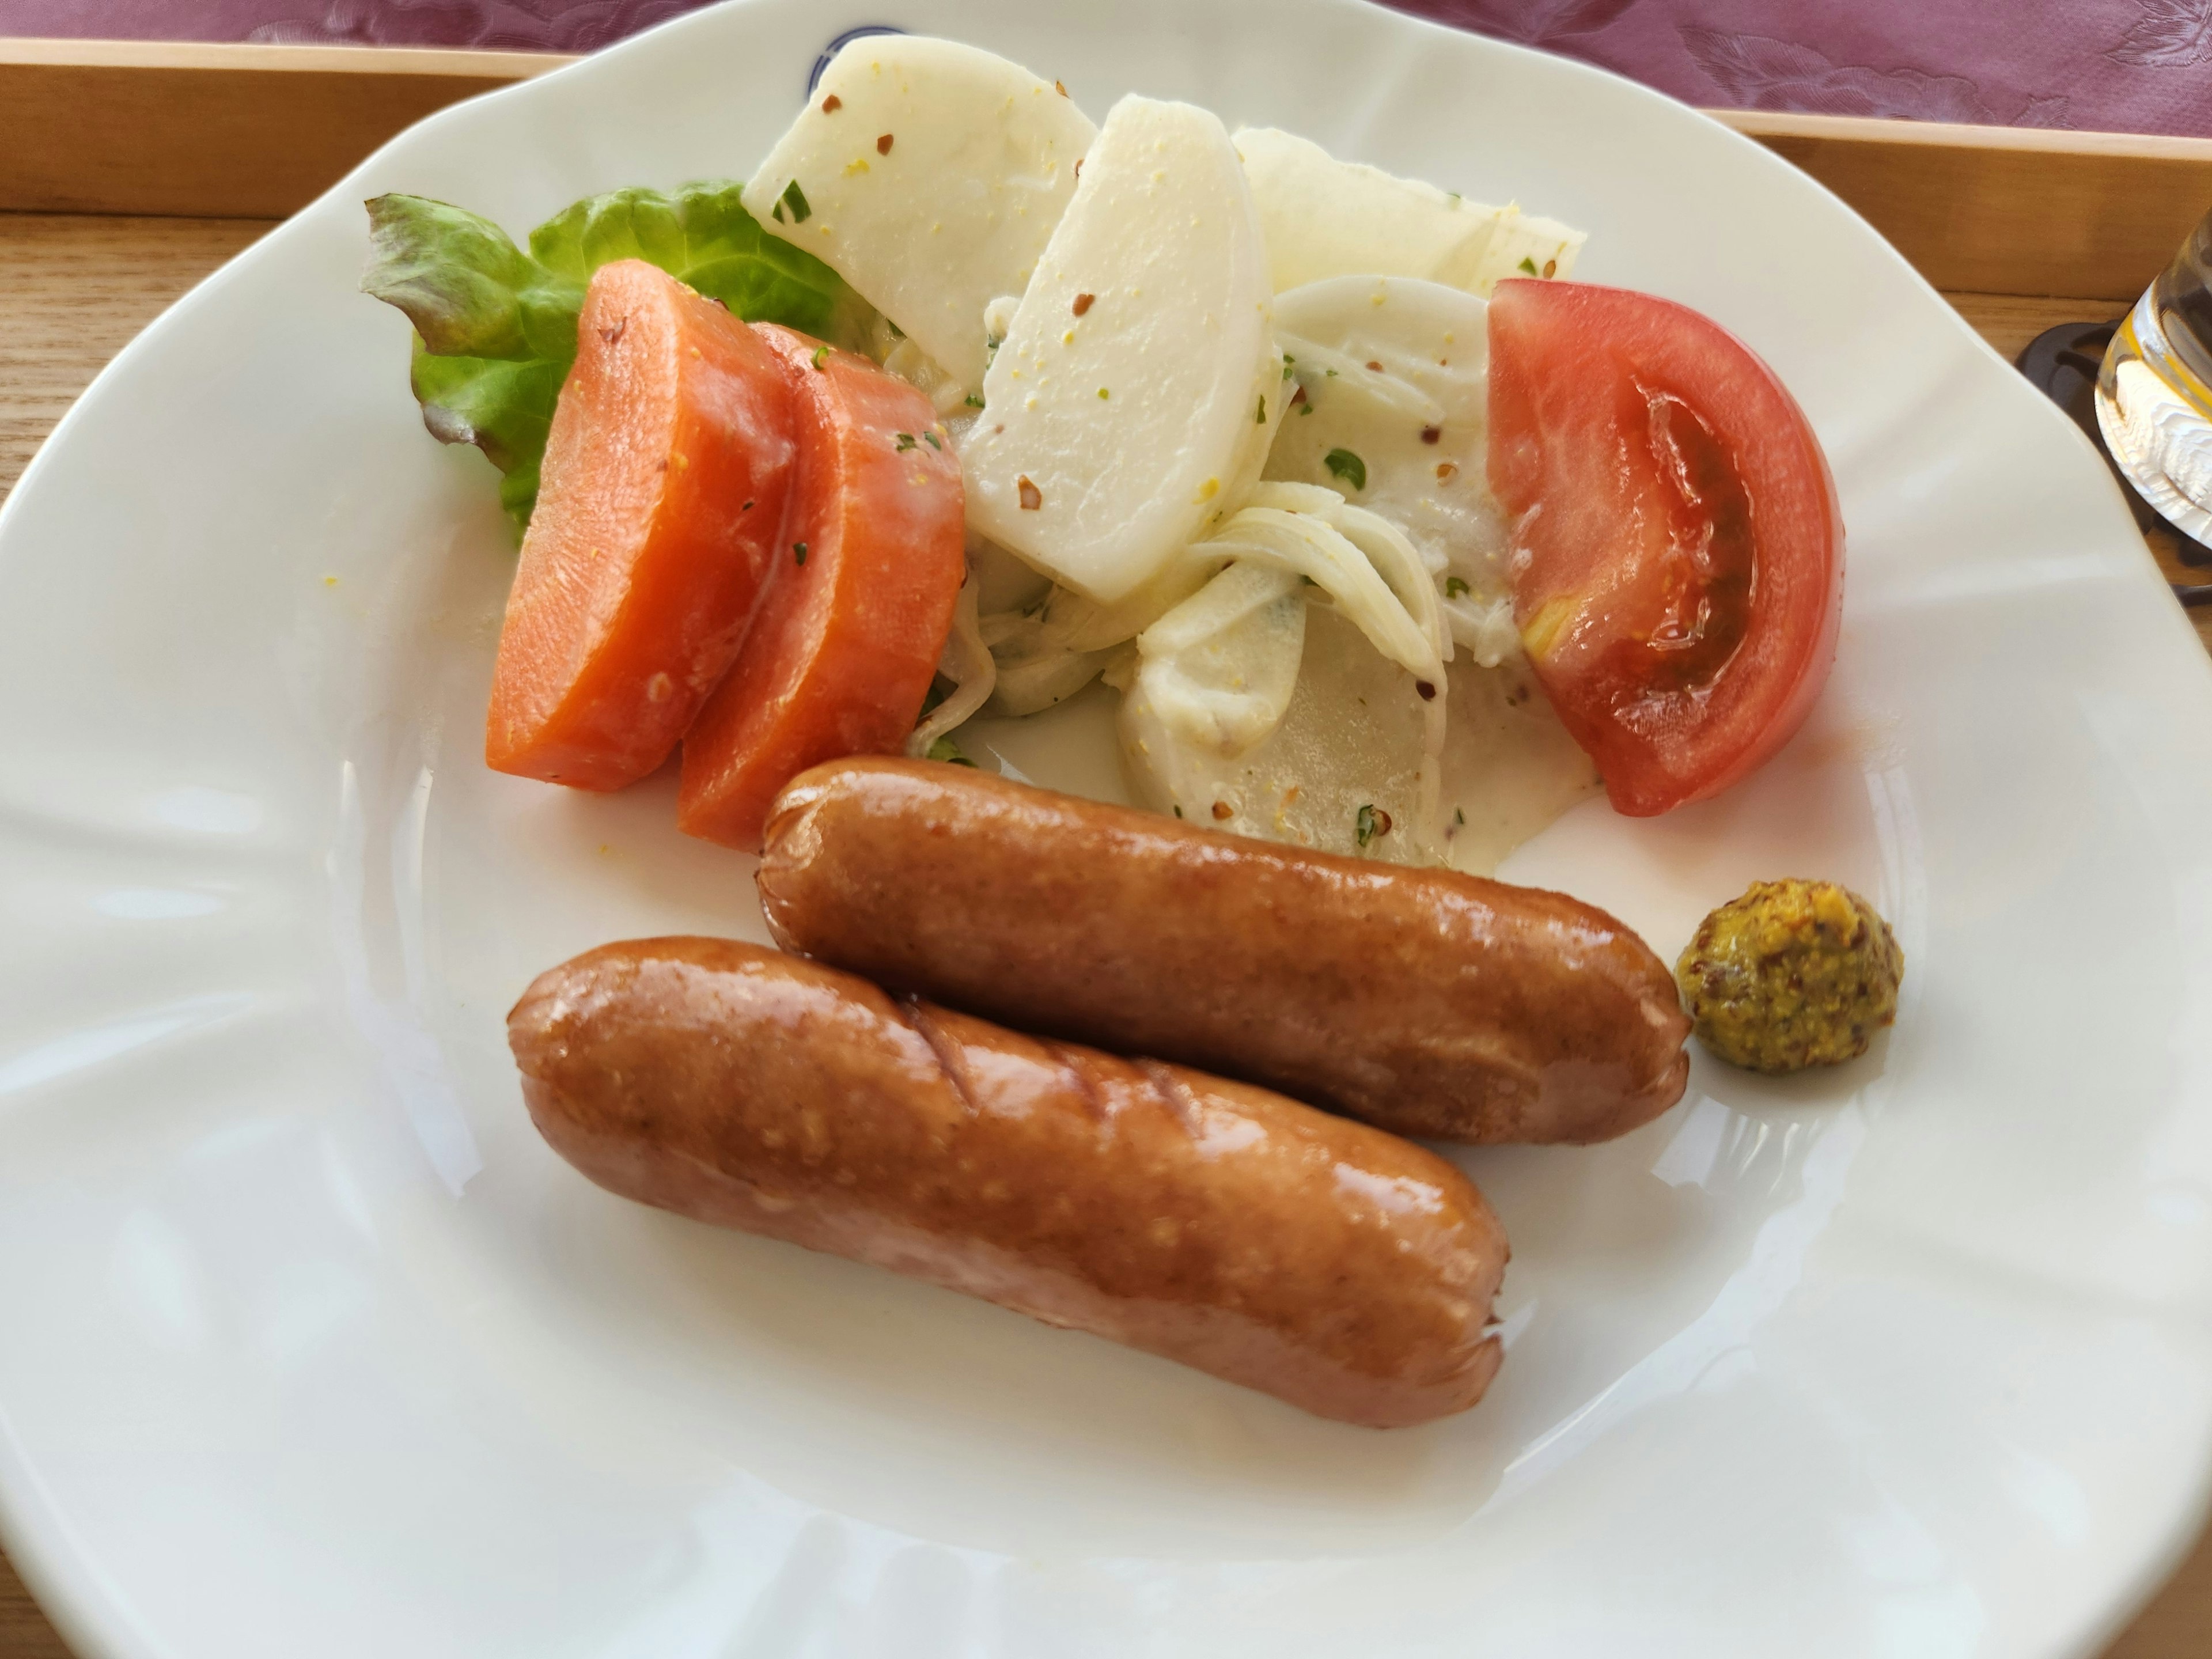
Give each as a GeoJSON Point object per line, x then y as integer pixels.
{"type": "Point", "coordinates": [308, 1346]}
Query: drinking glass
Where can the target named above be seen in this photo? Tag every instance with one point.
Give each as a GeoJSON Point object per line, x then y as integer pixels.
{"type": "Point", "coordinates": [2154, 390]}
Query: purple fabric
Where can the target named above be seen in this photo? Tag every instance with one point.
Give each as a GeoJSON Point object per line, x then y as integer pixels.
{"type": "Point", "coordinates": [2100, 65]}
{"type": "Point", "coordinates": [2105, 65]}
{"type": "Point", "coordinates": [512, 25]}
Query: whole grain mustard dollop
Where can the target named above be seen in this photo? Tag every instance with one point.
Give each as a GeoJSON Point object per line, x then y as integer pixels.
{"type": "Point", "coordinates": [1794, 973]}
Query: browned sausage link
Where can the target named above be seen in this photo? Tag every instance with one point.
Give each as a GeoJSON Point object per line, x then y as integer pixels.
{"type": "Point", "coordinates": [1429, 1002]}
{"type": "Point", "coordinates": [1323, 1261]}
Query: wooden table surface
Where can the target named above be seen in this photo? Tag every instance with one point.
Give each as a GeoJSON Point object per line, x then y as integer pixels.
{"type": "Point", "coordinates": [78, 286]}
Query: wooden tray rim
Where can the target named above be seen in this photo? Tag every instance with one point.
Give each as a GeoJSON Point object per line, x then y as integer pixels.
{"type": "Point", "coordinates": [245, 129]}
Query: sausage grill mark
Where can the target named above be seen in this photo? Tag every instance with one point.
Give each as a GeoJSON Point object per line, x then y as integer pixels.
{"type": "Point", "coordinates": [1177, 1093]}
{"type": "Point", "coordinates": [1086, 1086]}
{"type": "Point", "coordinates": [949, 1060]}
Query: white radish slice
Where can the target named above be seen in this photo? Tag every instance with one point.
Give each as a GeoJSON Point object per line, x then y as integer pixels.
{"type": "Point", "coordinates": [1350, 768]}
{"type": "Point", "coordinates": [1137, 383]}
{"type": "Point", "coordinates": [929, 175]}
{"type": "Point", "coordinates": [1346, 377]}
{"type": "Point", "coordinates": [1426, 476]}
{"type": "Point", "coordinates": [1509, 766]}
{"type": "Point", "coordinates": [1526, 246]}
{"type": "Point", "coordinates": [1323, 217]}
{"type": "Point", "coordinates": [1219, 669]}
{"type": "Point", "coordinates": [1065, 636]}
{"type": "Point", "coordinates": [1374, 721]}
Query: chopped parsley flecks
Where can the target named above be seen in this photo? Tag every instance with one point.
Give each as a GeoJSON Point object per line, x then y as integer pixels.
{"type": "Point", "coordinates": [1528, 264]}
{"type": "Point", "coordinates": [795, 199]}
{"type": "Point", "coordinates": [973, 402]}
{"type": "Point", "coordinates": [1370, 822]}
{"type": "Point", "coordinates": [1347, 466]}
{"type": "Point", "coordinates": [1260, 419]}
{"type": "Point", "coordinates": [820, 353]}
{"type": "Point", "coordinates": [798, 552]}
{"type": "Point", "coordinates": [905, 442]}
{"type": "Point", "coordinates": [1455, 587]}
{"type": "Point", "coordinates": [949, 752]}
{"type": "Point", "coordinates": [930, 438]}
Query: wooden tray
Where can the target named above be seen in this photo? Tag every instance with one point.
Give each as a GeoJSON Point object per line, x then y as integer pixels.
{"type": "Point", "coordinates": [128, 171]}
{"type": "Point", "coordinates": [236, 131]}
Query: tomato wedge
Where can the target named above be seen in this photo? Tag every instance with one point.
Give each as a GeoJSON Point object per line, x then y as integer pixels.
{"type": "Point", "coordinates": [847, 636]}
{"type": "Point", "coordinates": [664, 477]}
{"type": "Point", "coordinates": [1678, 548]}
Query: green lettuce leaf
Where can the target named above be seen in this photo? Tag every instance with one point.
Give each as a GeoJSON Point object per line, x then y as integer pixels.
{"type": "Point", "coordinates": [703, 236]}
{"type": "Point", "coordinates": [496, 328]}
{"type": "Point", "coordinates": [505, 407]}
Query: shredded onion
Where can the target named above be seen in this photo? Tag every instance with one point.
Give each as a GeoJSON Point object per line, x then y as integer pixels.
{"type": "Point", "coordinates": [967, 663]}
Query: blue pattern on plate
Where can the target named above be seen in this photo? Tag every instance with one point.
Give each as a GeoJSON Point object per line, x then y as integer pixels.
{"type": "Point", "coordinates": [814, 79]}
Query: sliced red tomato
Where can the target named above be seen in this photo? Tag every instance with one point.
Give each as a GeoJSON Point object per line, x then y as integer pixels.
{"type": "Point", "coordinates": [1678, 548]}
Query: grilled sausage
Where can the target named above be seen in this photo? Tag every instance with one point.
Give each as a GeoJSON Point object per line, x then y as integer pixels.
{"type": "Point", "coordinates": [1428, 1002]}
{"type": "Point", "coordinates": [1335, 1266]}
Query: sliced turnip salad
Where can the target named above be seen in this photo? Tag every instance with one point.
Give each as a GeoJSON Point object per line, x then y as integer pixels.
{"type": "Point", "coordinates": [1385, 536]}
{"type": "Point", "coordinates": [1219, 401]}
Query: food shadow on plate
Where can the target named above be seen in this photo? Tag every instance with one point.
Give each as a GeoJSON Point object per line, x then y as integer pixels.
{"type": "Point", "coordinates": [1755, 1094]}
{"type": "Point", "coordinates": [782, 1361]}
{"type": "Point", "coordinates": [1834, 804]}
{"type": "Point", "coordinates": [1642, 1264]}
{"type": "Point", "coordinates": [627, 841]}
